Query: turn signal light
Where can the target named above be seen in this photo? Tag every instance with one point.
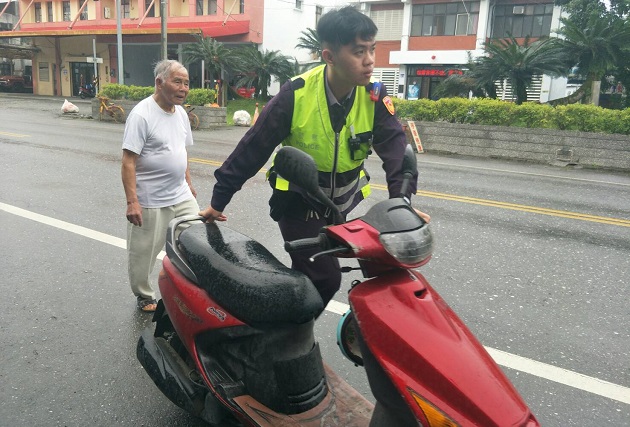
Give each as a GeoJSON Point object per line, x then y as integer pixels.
{"type": "Point", "coordinates": [434, 416]}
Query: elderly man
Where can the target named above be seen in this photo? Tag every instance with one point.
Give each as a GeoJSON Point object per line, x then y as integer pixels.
{"type": "Point", "coordinates": [155, 174]}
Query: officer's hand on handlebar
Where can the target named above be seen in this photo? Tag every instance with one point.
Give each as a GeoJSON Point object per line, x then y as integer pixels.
{"type": "Point", "coordinates": [212, 215]}
{"type": "Point", "coordinates": [422, 215]}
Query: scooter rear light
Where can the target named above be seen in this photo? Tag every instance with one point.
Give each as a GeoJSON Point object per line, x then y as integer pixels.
{"type": "Point", "coordinates": [434, 416]}
{"type": "Point", "coordinates": [410, 248]}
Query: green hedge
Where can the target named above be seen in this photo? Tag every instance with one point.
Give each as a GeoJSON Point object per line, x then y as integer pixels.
{"type": "Point", "coordinates": [138, 93]}
{"type": "Point", "coordinates": [484, 111]}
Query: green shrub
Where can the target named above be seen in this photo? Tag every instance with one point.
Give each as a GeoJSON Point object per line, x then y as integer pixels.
{"type": "Point", "coordinates": [484, 111]}
{"type": "Point", "coordinates": [114, 91]}
{"type": "Point", "coordinates": [138, 93]}
{"type": "Point", "coordinates": [533, 115]}
{"type": "Point", "coordinates": [622, 123]}
{"type": "Point", "coordinates": [201, 96]}
{"type": "Point", "coordinates": [453, 110]}
{"type": "Point", "coordinates": [491, 112]}
{"type": "Point", "coordinates": [580, 117]}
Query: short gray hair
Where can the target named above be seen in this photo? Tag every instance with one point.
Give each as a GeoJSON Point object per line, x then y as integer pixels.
{"type": "Point", "coordinates": [165, 68]}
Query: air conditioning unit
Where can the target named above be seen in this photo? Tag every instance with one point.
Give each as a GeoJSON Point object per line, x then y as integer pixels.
{"type": "Point", "coordinates": [107, 12]}
{"type": "Point", "coordinates": [518, 10]}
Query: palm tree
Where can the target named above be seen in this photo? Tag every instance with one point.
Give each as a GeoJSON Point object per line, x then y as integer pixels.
{"type": "Point", "coordinates": [595, 49]}
{"type": "Point", "coordinates": [519, 63]}
{"type": "Point", "coordinates": [310, 41]}
{"type": "Point", "coordinates": [258, 68]}
{"type": "Point", "coordinates": [216, 58]}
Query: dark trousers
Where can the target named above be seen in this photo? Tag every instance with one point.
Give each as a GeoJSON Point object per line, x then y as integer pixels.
{"type": "Point", "coordinates": [325, 272]}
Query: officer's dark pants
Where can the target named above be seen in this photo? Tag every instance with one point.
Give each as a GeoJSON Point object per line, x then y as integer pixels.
{"type": "Point", "coordinates": [324, 272]}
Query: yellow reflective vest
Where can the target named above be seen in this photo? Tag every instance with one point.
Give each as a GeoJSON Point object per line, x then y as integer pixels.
{"type": "Point", "coordinates": [342, 176]}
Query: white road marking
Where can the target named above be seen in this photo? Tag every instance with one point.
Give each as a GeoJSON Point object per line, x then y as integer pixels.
{"type": "Point", "coordinates": [512, 361]}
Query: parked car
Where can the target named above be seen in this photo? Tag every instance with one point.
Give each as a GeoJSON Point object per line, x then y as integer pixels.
{"type": "Point", "coordinates": [16, 84]}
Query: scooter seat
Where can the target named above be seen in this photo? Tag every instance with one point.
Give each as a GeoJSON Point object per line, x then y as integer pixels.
{"type": "Point", "coordinates": [243, 277]}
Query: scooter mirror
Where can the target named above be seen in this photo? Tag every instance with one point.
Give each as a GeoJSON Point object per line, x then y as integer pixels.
{"type": "Point", "coordinates": [409, 165]}
{"type": "Point", "coordinates": [298, 167]}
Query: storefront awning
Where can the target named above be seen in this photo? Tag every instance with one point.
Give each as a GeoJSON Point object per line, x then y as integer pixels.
{"type": "Point", "coordinates": [215, 29]}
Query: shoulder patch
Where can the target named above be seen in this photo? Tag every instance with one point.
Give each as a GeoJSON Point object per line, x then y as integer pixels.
{"type": "Point", "coordinates": [389, 105]}
{"type": "Point", "coordinates": [297, 83]}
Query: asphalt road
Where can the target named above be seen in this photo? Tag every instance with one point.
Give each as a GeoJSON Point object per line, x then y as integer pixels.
{"type": "Point", "coordinates": [535, 259]}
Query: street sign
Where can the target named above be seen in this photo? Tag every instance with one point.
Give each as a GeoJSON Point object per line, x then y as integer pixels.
{"type": "Point", "coordinates": [92, 59]}
{"type": "Point", "coordinates": [415, 136]}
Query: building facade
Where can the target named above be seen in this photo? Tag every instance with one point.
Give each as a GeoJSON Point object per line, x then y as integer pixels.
{"type": "Point", "coordinates": [421, 42]}
{"type": "Point", "coordinates": [76, 40]}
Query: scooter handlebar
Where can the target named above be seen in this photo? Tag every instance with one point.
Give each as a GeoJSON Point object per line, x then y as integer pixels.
{"type": "Point", "coordinates": [321, 241]}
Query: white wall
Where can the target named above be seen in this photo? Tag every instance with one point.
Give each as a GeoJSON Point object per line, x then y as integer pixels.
{"type": "Point", "coordinates": [284, 23]}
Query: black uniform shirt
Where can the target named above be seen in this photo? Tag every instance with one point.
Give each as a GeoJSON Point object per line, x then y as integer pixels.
{"type": "Point", "coordinates": [274, 125]}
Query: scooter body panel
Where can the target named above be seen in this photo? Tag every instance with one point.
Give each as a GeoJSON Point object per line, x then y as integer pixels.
{"type": "Point", "coordinates": [193, 315]}
{"type": "Point", "coordinates": [191, 309]}
{"type": "Point", "coordinates": [424, 347]}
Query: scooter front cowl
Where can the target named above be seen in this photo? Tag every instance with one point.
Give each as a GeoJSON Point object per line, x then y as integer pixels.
{"type": "Point", "coordinates": [436, 364]}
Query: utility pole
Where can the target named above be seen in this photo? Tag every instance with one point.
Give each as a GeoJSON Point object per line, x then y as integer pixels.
{"type": "Point", "coordinates": [95, 63]}
{"type": "Point", "coordinates": [119, 45]}
{"type": "Point", "coordinates": [163, 12]}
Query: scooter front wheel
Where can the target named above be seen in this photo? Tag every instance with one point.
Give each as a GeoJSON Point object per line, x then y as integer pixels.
{"type": "Point", "coordinates": [382, 417]}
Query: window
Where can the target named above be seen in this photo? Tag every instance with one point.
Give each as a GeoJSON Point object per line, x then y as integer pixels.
{"type": "Point", "coordinates": [125, 9]}
{"type": "Point", "coordinates": [38, 12]}
{"type": "Point", "coordinates": [44, 74]}
{"type": "Point", "coordinates": [212, 7]}
{"type": "Point", "coordinates": [151, 10]}
{"type": "Point", "coordinates": [298, 4]}
{"type": "Point", "coordinates": [318, 13]}
{"type": "Point", "coordinates": [84, 13]}
{"type": "Point", "coordinates": [445, 19]}
{"type": "Point", "coordinates": [389, 23]}
{"type": "Point", "coordinates": [66, 10]}
{"type": "Point", "coordinates": [241, 6]}
{"type": "Point", "coordinates": [49, 9]}
{"type": "Point", "coordinates": [532, 20]}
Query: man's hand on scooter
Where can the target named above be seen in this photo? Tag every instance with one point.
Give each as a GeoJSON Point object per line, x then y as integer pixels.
{"type": "Point", "coordinates": [212, 215]}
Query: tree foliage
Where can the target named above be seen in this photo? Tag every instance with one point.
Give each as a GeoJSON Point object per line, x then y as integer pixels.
{"type": "Point", "coordinates": [309, 40]}
{"type": "Point", "coordinates": [215, 55]}
{"type": "Point", "coordinates": [518, 63]}
{"type": "Point", "coordinates": [258, 68]}
{"type": "Point", "coordinates": [596, 38]}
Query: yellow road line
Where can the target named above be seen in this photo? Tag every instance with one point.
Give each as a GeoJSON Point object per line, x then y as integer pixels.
{"type": "Point", "coordinates": [491, 203]}
{"type": "Point", "coordinates": [522, 208]}
{"type": "Point", "coordinates": [15, 135]}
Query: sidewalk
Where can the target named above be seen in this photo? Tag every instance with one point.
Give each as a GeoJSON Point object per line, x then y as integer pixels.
{"type": "Point", "coordinates": [52, 103]}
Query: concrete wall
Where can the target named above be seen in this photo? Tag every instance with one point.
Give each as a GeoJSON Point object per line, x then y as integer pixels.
{"type": "Point", "coordinates": [537, 145]}
{"type": "Point", "coordinates": [209, 117]}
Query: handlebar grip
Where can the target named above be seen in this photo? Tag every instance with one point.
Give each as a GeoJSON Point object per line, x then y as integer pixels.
{"type": "Point", "coordinates": [307, 243]}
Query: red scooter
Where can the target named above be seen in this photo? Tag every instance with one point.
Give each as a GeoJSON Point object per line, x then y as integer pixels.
{"type": "Point", "coordinates": [234, 343]}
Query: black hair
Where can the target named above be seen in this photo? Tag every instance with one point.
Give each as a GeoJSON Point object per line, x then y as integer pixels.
{"type": "Point", "coordinates": [340, 27]}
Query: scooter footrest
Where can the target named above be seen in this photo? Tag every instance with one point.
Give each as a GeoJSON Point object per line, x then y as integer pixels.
{"type": "Point", "coordinates": [223, 383]}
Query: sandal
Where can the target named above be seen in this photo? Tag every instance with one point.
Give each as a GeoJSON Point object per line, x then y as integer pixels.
{"type": "Point", "coordinates": [147, 305]}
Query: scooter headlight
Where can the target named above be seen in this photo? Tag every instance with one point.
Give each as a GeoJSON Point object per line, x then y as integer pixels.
{"type": "Point", "coordinates": [411, 247]}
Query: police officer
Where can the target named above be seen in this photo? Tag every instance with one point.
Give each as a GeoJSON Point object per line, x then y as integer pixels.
{"type": "Point", "coordinates": [336, 115]}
